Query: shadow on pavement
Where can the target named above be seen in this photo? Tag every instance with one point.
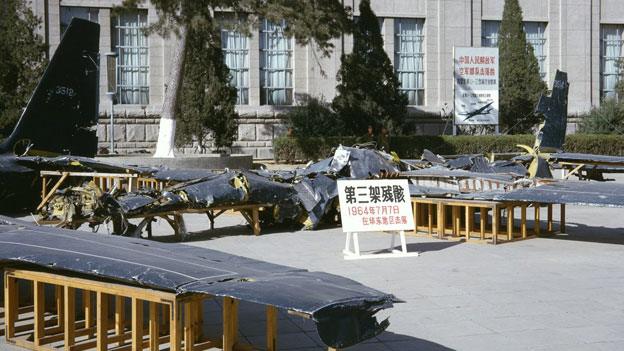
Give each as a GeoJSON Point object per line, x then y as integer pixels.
{"type": "Point", "coordinates": [582, 232]}
{"type": "Point", "coordinates": [400, 342]}
{"type": "Point", "coordinates": [432, 246]}
{"type": "Point", "coordinates": [234, 230]}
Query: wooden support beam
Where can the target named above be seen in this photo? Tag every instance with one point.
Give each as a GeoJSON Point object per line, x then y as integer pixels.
{"type": "Point", "coordinates": [255, 216]}
{"type": "Point", "coordinates": [137, 324]}
{"type": "Point", "coordinates": [11, 304]}
{"type": "Point", "coordinates": [483, 222]}
{"type": "Point", "coordinates": [230, 323]}
{"type": "Point", "coordinates": [60, 309]}
{"type": "Point", "coordinates": [469, 221]}
{"type": "Point", "coordinates": [88, 308]}
{"type": "Point", "coordinates": [189, 325]}
{"type": "Point", "coordinates": [456, 221]}
{"type": "Point", "coordinates": [43, 186]}
{"type": "Point", "coordinates": [430, 218]}
{"type": "Point", "coordinates": [39, 312]}
{"type": "Point", "coordinates": [70, 317]}
{"type": "Point", "coordinates": [175, 331]}
{"type": "Point", "coordinates": [102, 321]}
{"type": "Point", "coordinates": [562, 219]}
{"type": "Point", "coordinates": [199, 320]}
{"type": "Point", "coordinates": [164, 319]}
{"type": "Point", "coordinates": [271, 332]}
{"type": "Point", "coordinates": [415, 208]}
{"type": "Point", "coordinates": [154, 332]}
{"type": "Point", "coordinates": [441, 219]}
{"type": "Point", "coordinates": [510, 222]}
{"type": "Point", "coordinates": [119, 317]}
{"type": "Point", "coordinates": [538, 224]}
{"type": "Point", "coordinates": [523, 221]}
{"type": "Point", "coordinates": [495, 221]}
{"type": "Point", "coordinates": [52, 191]}
{"type": "Point", "coordinates": [549, 227]}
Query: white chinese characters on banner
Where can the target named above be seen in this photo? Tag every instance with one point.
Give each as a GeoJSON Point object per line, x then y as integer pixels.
{"type": "Point", "coordinates": [375, 205]}
{"type": "Point", "coordinates": [476, 85]}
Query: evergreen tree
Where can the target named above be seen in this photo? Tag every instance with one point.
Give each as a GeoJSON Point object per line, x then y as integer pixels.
{"type": "Point", "coordinates": [520, 81]}
{"type": "Point", "coordinates": [309, 22]}
{"type": "Point", "coordinates": [207, 100]}
{"type": "Point", "coordinates": [368, 90]}
{"type": "Point", "coordinates": [22, 60]}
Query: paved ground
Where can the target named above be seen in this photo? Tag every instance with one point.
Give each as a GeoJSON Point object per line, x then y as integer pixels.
{"type": "Point", "coordinates": [562, 293]}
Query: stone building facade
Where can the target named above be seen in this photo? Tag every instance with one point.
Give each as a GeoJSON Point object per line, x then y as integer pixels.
{"type": "Point", "coordinates": [583, 37]}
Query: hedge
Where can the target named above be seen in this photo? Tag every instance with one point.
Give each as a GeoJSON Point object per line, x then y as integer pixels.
{"type": "Point", "coordinates": [303, 149]}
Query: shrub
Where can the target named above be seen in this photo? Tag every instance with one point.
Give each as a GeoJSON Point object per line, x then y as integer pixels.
{"type": "Point", "coordinates": [608, 118]}
{"type": "Point", "coordinates": [314, 118]}
{"type": "Point", "coordinates": [368, 88]}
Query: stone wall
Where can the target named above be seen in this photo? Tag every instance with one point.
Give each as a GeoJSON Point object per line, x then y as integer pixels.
{"type": "Point", "coordinates": [140, 134]}
{"type": "Point", "coordinates": [255, 134]}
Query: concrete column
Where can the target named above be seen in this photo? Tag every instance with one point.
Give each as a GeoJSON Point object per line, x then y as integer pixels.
{"type": "Point", "coordinates": [388, 33]}
{"type": "Point", "coordinates": [254, 68]}
{"type": "Point", "coordinates": [595, 53]}
{"type": "Point", "coordinates": [476, 22]}
{"type": "Point", "coordinates": [105, 47]}
{"type": "Point", "coordinates": [157, 76]}
{"type": "Point", "coordinates": [54, 18]}
{"type": "Point", "coordinates": [300, 71]}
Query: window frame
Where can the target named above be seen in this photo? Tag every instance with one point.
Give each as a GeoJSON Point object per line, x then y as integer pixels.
{"type": "Point", "coordinates": [116, 32]}
{"type": "Point", "coordinates": [245, 70]}
{"type": "Point", "coordinates": [419, 56]}
{"type": "Point", "coordinates": [265, 70]}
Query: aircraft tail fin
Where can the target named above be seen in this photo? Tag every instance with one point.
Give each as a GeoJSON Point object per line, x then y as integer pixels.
{"type": "Point", "coordinates": [554, 108]}
{"type": "Point", "coordinates": [61, 115]}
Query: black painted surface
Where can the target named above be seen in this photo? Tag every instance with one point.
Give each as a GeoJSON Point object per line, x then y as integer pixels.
{"type": "Point", "coordinates": [343, 309]}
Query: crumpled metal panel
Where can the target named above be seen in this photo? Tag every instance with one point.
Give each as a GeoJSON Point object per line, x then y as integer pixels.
{"type": "Point", "coordinates": [342, 308]}
{"type": "Point", "coordinates": [364, 163]}
{"type": "Point", "coordinates": [554, 108]}
{"type": "Point", "coordinates": [432, 158]}
{"type": "Point", "coordinates": [566, 192]}
{"type": "Point", "coordinates": [462, 162]}
{"type": "Point", "coordinates": [430, 191]}
{"type": "Point", "coordinates": [213, 190]}
{"type": "Point", "coordinates": [316, 195]}
{"type": "Point", "coordinates": [443, 172]}
{"type": "Point", "coordinates": [78, 164]}
{"type": "Point", "coordinates": [581, 158]}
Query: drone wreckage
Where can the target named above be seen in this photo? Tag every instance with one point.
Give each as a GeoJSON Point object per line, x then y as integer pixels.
{"type": "Point", "coordinates": [308, 196]}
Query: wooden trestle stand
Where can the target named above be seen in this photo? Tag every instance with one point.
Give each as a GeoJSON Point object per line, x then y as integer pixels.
{"type": "Point", "coordinates": [91, 315]}
{"type": "Point", "coordinates": [457, 219]}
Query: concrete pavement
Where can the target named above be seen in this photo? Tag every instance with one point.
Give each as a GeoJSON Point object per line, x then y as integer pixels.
{"type": "Point", "coordinates": [561, 293]}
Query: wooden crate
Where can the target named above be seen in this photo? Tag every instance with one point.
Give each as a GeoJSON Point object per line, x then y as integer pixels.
{"type": "Point", "coordinates": [87, 314]}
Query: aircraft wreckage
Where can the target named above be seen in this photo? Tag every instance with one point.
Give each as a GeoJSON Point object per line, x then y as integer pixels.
{"type": "Point", "coordinates": [342, 309]}
{"type": "Point", "coordinates": [308, 196]}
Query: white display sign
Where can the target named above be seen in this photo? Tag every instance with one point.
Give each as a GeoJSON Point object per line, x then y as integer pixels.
{"type": "Point", "coordinates": [476, 85]}
{"type": "Point", "coordinates": [375, 205]}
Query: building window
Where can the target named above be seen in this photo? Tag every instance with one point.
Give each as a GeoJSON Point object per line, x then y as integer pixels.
{"type": "Point", "coordinates": [276, 68]}
{"type": "Point", "coordinates": [612, 38]}
{"type": "Point", "coordinates": [409, 58]}
{"type": "Point", "coordinates": [235, 46]}
{"type": "Point", "coordinates": [69, 12]}
{"type": "Point", "coordinates": [535, 35]}
{"type": "Point", "coordinates": [130, 43]}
